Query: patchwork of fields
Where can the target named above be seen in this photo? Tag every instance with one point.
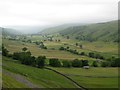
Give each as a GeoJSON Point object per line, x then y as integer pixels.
{"type": "Point", "coordinates": [95, 77]}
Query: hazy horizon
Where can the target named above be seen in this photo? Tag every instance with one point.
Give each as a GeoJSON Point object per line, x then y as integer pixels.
{"type": "Point", "coordinates": [19, 14]}
{"type": "Point", "coordinates": [55, 12]}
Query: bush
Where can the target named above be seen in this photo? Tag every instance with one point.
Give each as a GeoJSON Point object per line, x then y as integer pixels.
{"type": "Point", "coordinates": [40, 61]}
{"type": "Point", "coordinates": [77, 63]}
{"type": "Point", "coordinates": [66, 63]}
{"type": "Point", "coordinates": [24, 49]}
{"type": "Point", "coordinates": [91, 54]}
{"type": "Point", "coordinates": [104, 64]}
{"type": "Point", "coordinates": [16, 55]}
{"type": "Point", "coordinates": [82, 53]}
{"type": "Point", "coordinates": [94, 64]}
{"type": "Point", "coordinates": [61, 48]}
{"type": "Point", "coordinates": [115, 62]}
{"type": "Point", "coordinates": [54, 62]}
{"type": "Point", "coordinates": [85, 63]}
{"type": "Point", "coordinates": [4, 51]}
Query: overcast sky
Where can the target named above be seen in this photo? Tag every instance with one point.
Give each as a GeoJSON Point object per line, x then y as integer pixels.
{"type": "Point", "coordinates": [49, 12]}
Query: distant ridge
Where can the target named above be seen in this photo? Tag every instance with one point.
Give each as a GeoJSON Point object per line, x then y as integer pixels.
{"type": "Point", "coordinates": [7, 31]}
{"type": "Point", "coordinates": [106, 31]}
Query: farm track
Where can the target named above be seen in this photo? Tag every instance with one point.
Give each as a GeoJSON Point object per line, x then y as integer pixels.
{"type": "Point", "coordinates": [20, 79]}
{"type": "Point", "coordinates": [74, 82]}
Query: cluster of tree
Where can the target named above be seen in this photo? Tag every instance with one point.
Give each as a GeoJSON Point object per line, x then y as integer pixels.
{"type": "Point", "coordinates": [69, 50]}
{"type": "Point", "coordinates": [79, 63]}
{"type": "Point", "coordinates": [4, 51]}
{"type": "Point", "coordinates": [79, 45]}
{"type": "Point", "coordinates": [75, 63]}
{"type": "Point", "coordinates": [90, 54]}
{"type": "Point", "coordinates": [54, 62]}
{"type": "Point", "coordinates": [97, 56]}
{"type": "Point", "coordinates": [58, 40]}
{"type": "Point", "coordinates": [114, 62]}
{"type": "Point", "coordinates": [41, 45]}
{"type": "Point", "coordinates": [25, 57]}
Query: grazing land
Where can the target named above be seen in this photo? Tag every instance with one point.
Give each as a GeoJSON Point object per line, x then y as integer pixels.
{"type": "Point", "coordinates": [86, 54]}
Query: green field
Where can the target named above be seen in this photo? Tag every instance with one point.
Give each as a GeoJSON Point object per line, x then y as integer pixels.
{"type": "Point", "coordinates": [15, 46]}
{"type": "Point", "coordinates": [93, 77]}
{"type": "Point", "coordinates": [41, 78]}
{"type": "Point", "coordinates": [23, 76]}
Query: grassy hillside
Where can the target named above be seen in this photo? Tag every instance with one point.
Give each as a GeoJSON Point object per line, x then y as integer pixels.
{"type": "Point", "coordinates": [93, 77]}
{"type": "Point", "coordinates": [52, 30]}
{"type": "Point", "coordinates": [7, 31]}
{"type": "Point", "coordinates": [41, 78]}
{"type": "Point", "coordinates": [101, 31]}
{"type": "Point", "coordinates": [36, 51]}
{"type": "Point", "coordinates": [93, 32]}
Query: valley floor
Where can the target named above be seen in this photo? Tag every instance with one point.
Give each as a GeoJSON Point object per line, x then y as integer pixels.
{"type": "Point", "coordinates": [23, 76]}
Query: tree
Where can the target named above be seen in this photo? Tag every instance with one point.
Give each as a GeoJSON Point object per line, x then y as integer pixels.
{"type": "Point", "coordinates": [16, 55]}
{"type": "Point", "coordinates": [61, 48]}
{"type": "Point", "coordinates": [40, 61]}
{"type": "Point", "coordinates": [54, 62]}
{"type": "Point", "coordinates": [43, 46]}
{"type": "Point", "coordinates": [68, 47]}
{"type": "Point", "coordinates": [94, 64]}
{"type": "Point", "coordinates": [76, 44]}
{"type": "Point", "coordinates": [59, 40]}
{"type": "Point", "coordinates": [66, 63]}
{"type": "Point", "coordinates": [4, 51]}
{"type": "Point", "coordinates": [68, 37]}
{"type": "Point", "coordinates": [24, 49]}
{"type": "Point", "coordinates": [104, 64]}
{"type": "Point", "coordinates": [97, 56]}
{"type": "Point", "coordinates": [81, 46]}
{"type": "Point", "coordinates": [115, 62]}
{"type": "Point", "coordinates": [85, 63]}
{"type": "Point", "coordinates": [91, 54]}
{"type": "Point", "coordinates": [77, 63]}
{"type": "Point", "coordinates": [82, 53]}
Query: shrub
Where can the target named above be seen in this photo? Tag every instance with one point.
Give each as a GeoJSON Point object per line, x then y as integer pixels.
{"type": "Point", "coordinates": [66, 63]}
{"type": "Point", "coordinates": [4, 51]}
{"type": "Point", "coordinates": [61, 48]}
{"type": "Point", "coordinates": [40, 61]}
{"type": "Point", "coordinates": [94, 64]}
{"type": "Point", "coordinates": [77, 63]}
{"type": "Point", "coordinates": [115, 62]}
{"type": "Point", "coordinates": [91, 54]}
{"type": "Point", "coordinates": [105, 64]}
{"type": "Point", "coordinates": [85, 63]}
{"type": "Point", "coordinates": [24, 49]}
{"type": "Point", "coordinates": [82, 53]}
{"type": "Point", "coordinates": [54, 62]}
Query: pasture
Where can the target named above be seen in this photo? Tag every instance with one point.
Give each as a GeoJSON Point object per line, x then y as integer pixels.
{"type": "Point", "coordinates": [15, 46]}
{"type": "Point", "coordinates": [93, 77]}
{"type": "Point", "coordinates": [41, 78]}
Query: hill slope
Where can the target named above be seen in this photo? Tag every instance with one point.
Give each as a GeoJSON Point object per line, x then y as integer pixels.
{"type": "Point", "coordinates": [7, 31]}
{"type": "Point", "coordinates": [100, 31]}
{"type": "Point", "coordinates": [31, 77]}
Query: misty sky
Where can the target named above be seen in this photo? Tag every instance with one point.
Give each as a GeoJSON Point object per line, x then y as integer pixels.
{"type": "Point", "coordinates": [49, 12]}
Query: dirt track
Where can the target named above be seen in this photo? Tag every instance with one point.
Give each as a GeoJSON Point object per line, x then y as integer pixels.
{"type": "Point", "coordinates": [20, 79]}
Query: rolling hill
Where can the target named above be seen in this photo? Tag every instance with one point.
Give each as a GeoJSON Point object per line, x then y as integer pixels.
{"type": "Point", "coordinates": [106, 31]}
{"type": "Point", "coordinates": [8, 31]}
{"type": "Point", "coordinates": [56, 29]}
